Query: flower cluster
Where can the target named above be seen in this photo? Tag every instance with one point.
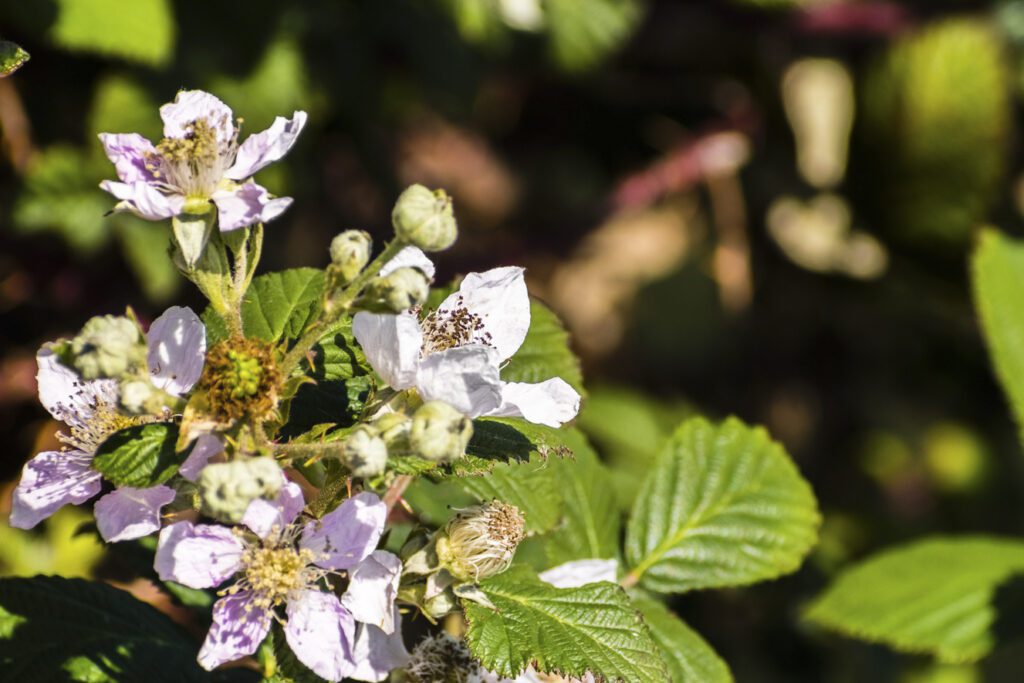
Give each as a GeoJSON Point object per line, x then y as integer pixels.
{"type": "Point", "coordinates": [237, 501]}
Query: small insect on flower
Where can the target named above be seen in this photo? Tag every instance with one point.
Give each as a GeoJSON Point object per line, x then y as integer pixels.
{"type": "Point", "coordinates": [480, 541]}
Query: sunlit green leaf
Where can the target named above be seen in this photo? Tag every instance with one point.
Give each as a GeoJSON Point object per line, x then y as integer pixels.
{"type": "Point", "coordinates": [689, 658]}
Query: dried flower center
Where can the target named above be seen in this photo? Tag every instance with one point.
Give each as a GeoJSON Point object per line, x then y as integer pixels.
{"type": "Point", "coordinates": [193, 164]}
{"type": "Point", "coordinates": [240, 378]}
{"type": "Point", "coordinates": [442, 658]}
{"type": "Point", "coordinates": [452, 328]}
{"type": "Point", "coordinates": [275, 573]}
{"type": "Point", "coordinates": [87, 435]}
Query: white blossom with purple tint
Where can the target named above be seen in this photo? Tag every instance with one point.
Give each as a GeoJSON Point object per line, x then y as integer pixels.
{"type": "Point", "coordinates": [282, 569]}
{"type": "Point", "coordinates": [199, 161]}
{"type": "Point", "coordinates": [90, 411]}
{"type": "Point", "coordinates": [455, 354]}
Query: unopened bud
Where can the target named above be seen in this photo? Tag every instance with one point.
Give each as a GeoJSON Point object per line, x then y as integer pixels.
{"type": "Point", "coordinates": [439, 432]}
{"type": "Point", "coordinates": [108, 346]}
{"type": "Point", "coordinates": [227, 488]}
{"type": "Point", "coordinates": [394, 429]}
{"type": "Point", "coordinates": [397, 291]}
{"type": "Point", "coordinates": [140, 396]}
{"type": "Point", "coordinates": [480, 541]}
{"type": "Point", "coordinates": [365, 452]}
{"type": "Point", "coordinates": [424, 218]}
{"type": "Point", "coordinates": [350, 252]}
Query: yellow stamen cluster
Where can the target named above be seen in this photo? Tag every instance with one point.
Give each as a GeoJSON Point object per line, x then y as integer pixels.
{"type": "Point", "coordinates": [193, 164]}
{"type": "Point", "coordinates": [451, 328]}
{"type": "Point", "coordinates": [273, 574]}
{"type": "Point", "coordinates": [105, 420]}
{"type": "Point", "coordinates": [480, 541]}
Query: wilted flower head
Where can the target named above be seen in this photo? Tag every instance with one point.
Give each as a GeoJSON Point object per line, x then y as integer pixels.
{"type": "Point", "coordinates": [282, 565]}
{"type": "Point", "coordinates": [443, 659]}
{"type": "Point", "coordinates": [480, 541]}
{"type": "Point", "coordinates": [197, 162]}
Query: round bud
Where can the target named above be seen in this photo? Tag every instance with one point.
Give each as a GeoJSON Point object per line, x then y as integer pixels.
{"type": "Point", "coordinates": [365, 452]}
{"type": "Point", "coordinates": [439, 432]}
{"type": "Point", "coordinates": [480, 541]}
{"type": "Point", "coordinates": [424, 219]}
{"type": "Point", "coordinates": [350, 252]}
{"type": "Point", "coordinates": [227, 488]}
{"type": "Point", "coordinates": [397, 291]}
{"type": "Point", "coordinates": [394, 429]}
{"type": "Point", "coordinates": [108, 346]}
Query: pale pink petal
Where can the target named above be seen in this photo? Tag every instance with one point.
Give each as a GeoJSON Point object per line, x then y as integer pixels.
{"type": "Point", "coordinates": [581, 572]}
{"type": "Point", "coordinates": [465, 377]}
{"type": "Point", "coordinates": [67, 396]}
{"type": "Point", "coordinates": [128, 513]}
{"type": "Point", "coordinates": [321, 632]}
{"type": "Point", "coordinates": [128, 152]}
{"type": "Point", "coordinates": [263, 515]}
{"type": "Point", "coordinates": [206, 447]}
{"type": "Point", "coordinates": [262, 149]}
{"type": "Point", "coordinates": [237, 630]}
{"type": "Point", "coordinates": [177, 350]}
{"type": "Point", "coordinates": [499, 298]}
{"type": "Point", "coordinates": [551, 402]}
{"type": "Point", "coordinates": [373, 585]}
{"type": "Point", "coordinates": [190, 105]}
{"type": "Point", "coordinates": [377, 654]}
{"type": "Point", "coordinates": [409, 257]}
{"type": "Point", "coordinates": [247, 204]}
{"type": "Point", "coordinates": [144, 200]}
{"type": "Point", "coordinates": [49, 481]}
{"type": "Point", "coordinates": [197, 555]}
{"type": "Point", "coordinates": [392, 345]}
{"type": "Point", "coordinates": [347, 534]}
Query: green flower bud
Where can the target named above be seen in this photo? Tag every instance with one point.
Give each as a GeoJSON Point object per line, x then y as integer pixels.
{"type": "Point", "coordinates": [108, 346]}
{"type": "Point", "coordinates": [442, 604]}
{"type": "Point", "coordinates": [439, 432]}
{"type": "Point", "coordinates": [395, 292]}
{"type": "Point", "coordinates": [350, 252]}
{"type": "Point", "coordinates": [226, 489]}
{"type": "Point", "coordinates": [425, 219]}
{"type": "Point", "coordinates": [394, 428]}
{"type": "Point", "coordinates": [480, 541]}
{"type": "Point", "coordinates": [365, 452]}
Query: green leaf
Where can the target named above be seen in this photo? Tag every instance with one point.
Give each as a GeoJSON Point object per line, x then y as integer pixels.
{"type": "Point", "coordinates": [723, 506]}
{"type": "Point", "coordinates": [690, 659]}
{"type": "Point", "coordinates": [937, 595]}
{"type": "Point", "coordinates": [591, 525]}
{"type": "Point", "coordinates": [569, 630]}
{"type": "Point", "coordinates": [545, 352]}
{"type": "Point", "coordinates": [533, 488]}
{"type": "Point", "coordinates": [53, 629]}
{"type": "Point", "coordinates": [139, 456]}
{"type": "Point", "coordinates": [12, 57]}
{"type": "Point", "coordinates": [997, 275]}
{"type": "Point", "coordinates": [500, 439]}
{"type": "Point", "coordinates": [140, 30]}
{"type": "Point", "coordinates": [582, 34]}
{"type": "Point", "coordinates": [277, 305]}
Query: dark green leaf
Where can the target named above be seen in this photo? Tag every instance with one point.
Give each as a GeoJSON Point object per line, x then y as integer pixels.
{"type": "Point", "coordinates": [533, 488]}
{"type": "Point", "coordinates": [545, 352]}
{"type": "Point", "coordinates": [276, 306]}
{"type": "Point", "coordinates": [140, 456]}
{"type": "Point", "coordinates": [689, 658]}
{"type": "Point", "coordinates": [12, 57]}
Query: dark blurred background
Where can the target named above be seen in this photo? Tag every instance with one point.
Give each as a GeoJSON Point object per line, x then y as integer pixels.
{"type": "Point", "coordinates": [756, 207]}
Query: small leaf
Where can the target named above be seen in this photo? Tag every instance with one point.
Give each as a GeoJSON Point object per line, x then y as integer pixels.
{"type": "Point", "coordinates": [570, 630]}
{"type": "Point", "coordinates": [997, 275]}
{"type": "Point", "coordinates": [545, 352]}
{"type": "Point", "coordinates": [723, 506]}
{"type": "Point", "coordinates": [689, 658]}
{"type": "Point", "coordinates": [53, 629]}
{"type": "Point", "coordinates": [140, 456]}
{"type": "Point", "coordinates": [277, 305]}
{"type": "Point", "coordinates": [140, 30]}
{"type": "Point", "coordinates": [12, 57]}
{"type": "Point", "coordinates": [936, 595]}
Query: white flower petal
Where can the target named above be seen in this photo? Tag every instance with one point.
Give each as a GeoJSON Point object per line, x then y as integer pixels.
{"type": "Point", "coordinates": [581, 572]}
{"type": "Point", "coordinates": [247, 204]}
{"type": "Point", "coordinates": [49, 481]}
{"type": "Point", "coordinates": [177, 350]}
{"type": "Point", "coordinates": [499, 298]}
{"type": "Point", "coordinates": [237, 630]}
{"type": "Point", "coordinates": [65, 395]}
{"type": "Point", "coordinates": [372, 589]}
{"type": "Point", "coordinates": [392, 345]}
{"type": "Point", "coordinates": [551, 402]}
{"type": "Point", "coordinates": [346, 534]}
{"type": "Point", "coordinates": [321, 633]}
{"type": "Point", "coordinates": [206, 447]}
{"type": "Point", "coordinates": [263, 515]}
{"type": "Point", "coordinates": [144, 200]}
{"type": "Point", "coordinates": [409, 257]}
{"type": "Point", "coordinates": [128, 513]}
{"type": "Point", "coordinates": [128, 152]}
{"type": "Point", "coordinates": [376, 653]}
{"type": "Point", "coordinates": [197, 555]}
{"type": "Point", "coordinates": [262, 149]}
{"type": "Point", "coordinates": [190, 105]}
{"type": "Point", "coordinates": [465, 378]}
